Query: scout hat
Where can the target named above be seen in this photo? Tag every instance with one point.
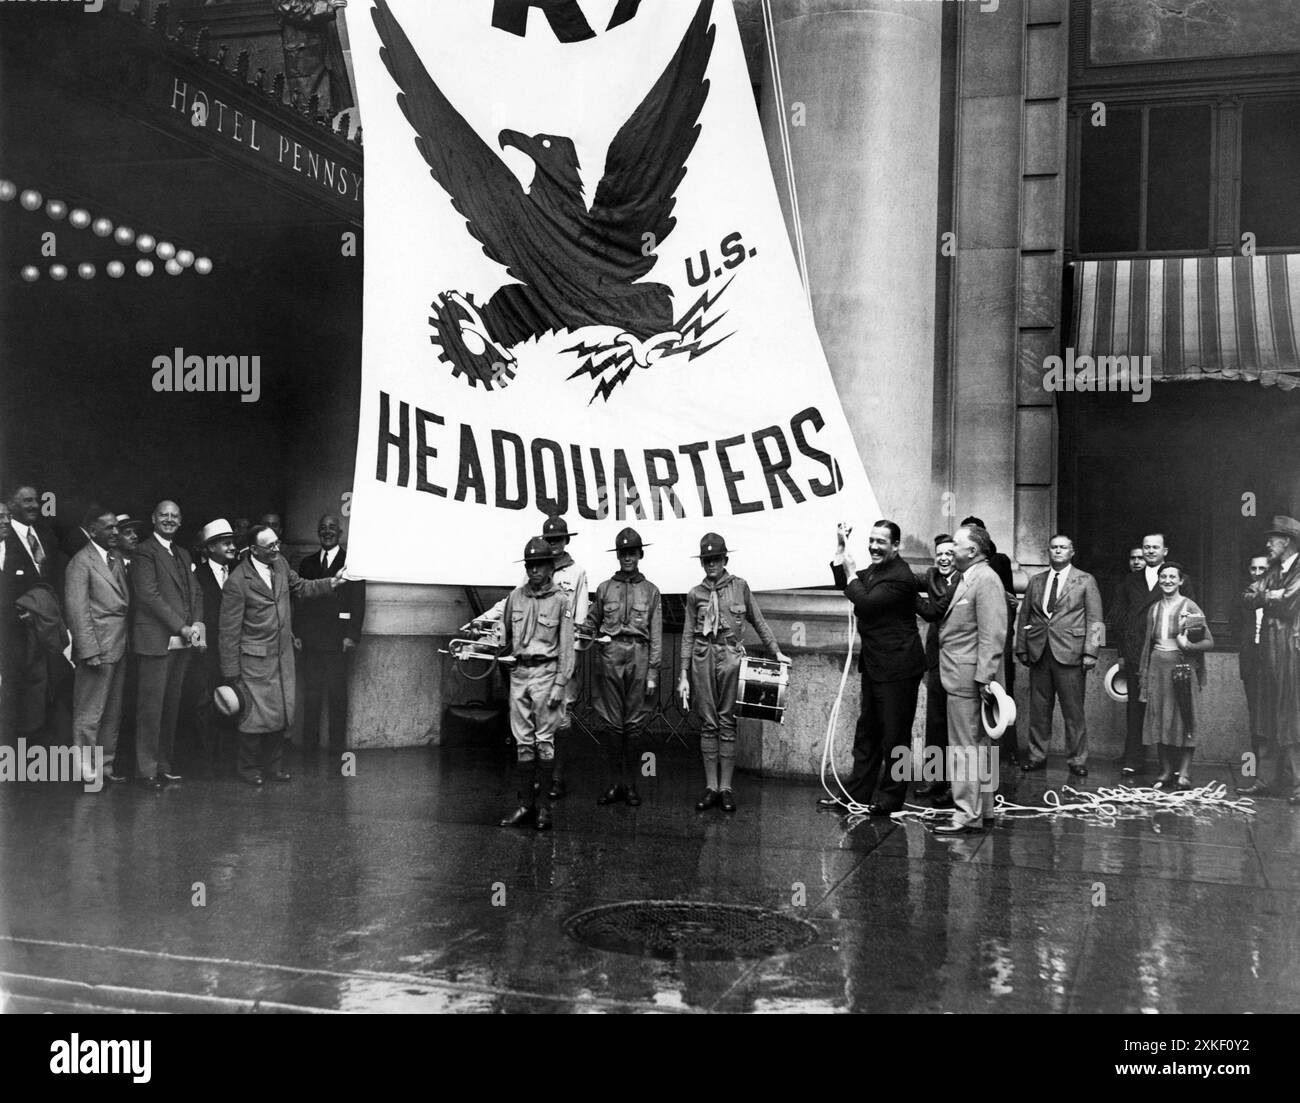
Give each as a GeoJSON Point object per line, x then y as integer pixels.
{"type": "Point", "coordinates": [1285, 526]}
{"type": "Point", "coordinates": [216, 530]}
{"type": "Point", "coordinates": [998, 711]}
{"type": "Point", "coordinates": [537, 550]}
{"type": "Point", "coordinates": [1117, 684]}
{"type": "Point", "coordinates": [555, 527]}
{"type": "Point", "coordinates": [628, 540]}
{"type": "Point", "coordinates": [711, 544]}
{"type": "Point", "coordinates": [231, 700]}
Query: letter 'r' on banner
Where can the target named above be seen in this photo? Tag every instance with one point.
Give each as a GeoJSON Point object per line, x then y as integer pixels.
{"type": "Point", "coordinates": [580, 299]}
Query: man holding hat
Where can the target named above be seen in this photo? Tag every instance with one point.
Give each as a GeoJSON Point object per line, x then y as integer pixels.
{"type": "Point", "coordinates": [538, 624]}
{"type": "Point", "coordinates": [571, 580]}
{"type": "Point", "coordinates": [217, 539]}
{"type": "Point", "coordinates": [627, 610]}
{"type": "Point", "coordinates": [1278, 594]}
{"type": "Point", "coordinates": [716, 610]}
{"type": "Point", "coordinates": [257, 650]}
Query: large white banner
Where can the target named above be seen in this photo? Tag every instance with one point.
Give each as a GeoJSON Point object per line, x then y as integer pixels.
{"type": "Point", "coordinates": [580, 298]}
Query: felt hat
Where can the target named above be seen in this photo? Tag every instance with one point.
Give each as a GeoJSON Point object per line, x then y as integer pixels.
{"type": "Point", "coordinates": [1285, 526]}
{"type": "Point", "coordinates": [537, 550]}
{"type": "Point", "coordinates": [711, 544]}
{"type": "Point", "coordinates": [556, 526]}
{"type": "Point", "coordinates": [628, 540]}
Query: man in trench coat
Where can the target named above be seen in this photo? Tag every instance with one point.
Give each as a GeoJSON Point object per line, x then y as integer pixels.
{"type": "Point", "coordinates": [257, 650]}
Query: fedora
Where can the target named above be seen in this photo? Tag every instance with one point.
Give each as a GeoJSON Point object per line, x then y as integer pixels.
{"type": "Point", "coordinates": [1117, 684]}
{"type": "Point", "coordinates": [231, 700]}
{"type": "Point", "coordinates": [1285, 526]}
{"type": "Point", "coordinates": [997, 711]}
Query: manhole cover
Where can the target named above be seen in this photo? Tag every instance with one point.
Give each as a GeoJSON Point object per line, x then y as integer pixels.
{"type": "Point", "coordinates": [686, 929]}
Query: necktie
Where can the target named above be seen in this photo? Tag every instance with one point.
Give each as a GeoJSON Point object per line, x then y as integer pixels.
{"type": "Point", "coordinates": [225, 574]}
{"type": "Point", "coordinates": [1051, 597]}
{"type": "Point", "coordinates": [38, 553]}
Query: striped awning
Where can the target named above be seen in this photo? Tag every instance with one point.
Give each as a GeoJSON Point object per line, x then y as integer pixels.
{"type": "Point", "coordinates": [1196, 317]}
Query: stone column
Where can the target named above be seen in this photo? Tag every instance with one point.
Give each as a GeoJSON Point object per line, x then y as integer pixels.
{"type": "Point", "coordinates": [861, 89]}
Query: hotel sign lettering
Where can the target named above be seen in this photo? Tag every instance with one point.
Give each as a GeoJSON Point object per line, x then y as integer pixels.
{"type": "Point", "coordinates": [205, 111]}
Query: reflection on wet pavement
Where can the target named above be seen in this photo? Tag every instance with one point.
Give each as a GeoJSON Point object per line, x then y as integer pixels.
{"type": "Point", "coordinates": [394, 891]}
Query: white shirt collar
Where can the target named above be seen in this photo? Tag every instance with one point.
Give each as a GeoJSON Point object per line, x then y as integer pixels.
{"type": "Point", "coordinates": [20, 528]}
{"type": "Point", "coordinates": [327, 557]}
{"type": "Point", "coordinates": [261, 569]}
{"type": "Point", "coordinates": [1286, 563]}
{"type": "Point", "coordinates": [165, 543]}
{"type": "Point", "coordinates": [103, 552]}
{"type": "Point", "coordinates": [1064, 572]}
{"type": "Point", "coordinates": [219, 571]}
{"type": "Point", "coordinates": [1152, 574]}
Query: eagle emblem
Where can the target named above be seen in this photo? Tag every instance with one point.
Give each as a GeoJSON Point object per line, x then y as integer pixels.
{"type": "Point", "coordinates": [574, 266]}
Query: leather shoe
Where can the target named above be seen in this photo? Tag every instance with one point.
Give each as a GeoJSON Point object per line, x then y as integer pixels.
{"type": "Point", "coordinates": [520, 817]}
{"type": "Point", "coordinates": [951, 830]}
{"type": "Point", "coordinates": [1130, 771]}
{"type": "Point", "coordinates": [1028, 767]}
{"type": "Point", "coordinates": [543, 819]}
{"type": "Point", "coordinates": [612, 795]}
{"type": "Point", "coordinates": [878, 810]}
{"type": "Point", "coordinates": [117, 779]}
{"type": "Point", "coordinates": [709, 800]}
{"type": "Point", "coordinates": [1079, 771]}
{"type": "Point", "coordinates": [726, 800]}
{"type": "Point", "coordinates": [150, 782]}
{"type": "Point", "coordinates": [633, 797]}
{"type": "Point", "coordinates": [927, 787]}
{"type": "Point", "coordinates": [170, 777]}
{"type": "Point", "coordinates": [251, 779]}
{"type": "Point", "coordinates": [1255, 789]}
{"type": "Point", "coordinates": [833, 804]}
{"type": "Point", "coordinates": [280, 775]}
{"type": "Point", "coordinates": [557, 789]}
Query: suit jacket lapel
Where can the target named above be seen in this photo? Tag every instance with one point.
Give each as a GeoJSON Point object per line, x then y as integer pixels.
{"type": "Point", "coordinates": [97, 563]}
{"type": "Point", "coordinates": [956, 596]}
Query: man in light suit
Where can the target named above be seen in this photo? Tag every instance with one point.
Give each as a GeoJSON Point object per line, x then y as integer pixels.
{"type": "Point", "coordinates": [97, 600]}
{"type": "Point", "coordinates": [972, 638]}
{"type": "Point", "coordinates": [329, 629]}
{"type": "Point", "coordinates": [1058, 634]}
{"type": "Point", "coordinates": [1136, 593]}
{"type": "Point", "coordinates": [257, 650]}
{"type": "Point", "coordinates": [168, 605]}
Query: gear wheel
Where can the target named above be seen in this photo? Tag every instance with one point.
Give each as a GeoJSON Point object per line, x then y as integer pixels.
{"type": "Point", "coordinates": [491, 366]}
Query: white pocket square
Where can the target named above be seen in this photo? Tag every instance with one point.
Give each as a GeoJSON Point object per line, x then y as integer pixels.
{"type": "Point", "coordinates": [964, 601]}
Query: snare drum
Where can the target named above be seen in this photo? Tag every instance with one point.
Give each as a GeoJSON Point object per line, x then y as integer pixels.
{"type": "Point", "coordinates": [763, 685]}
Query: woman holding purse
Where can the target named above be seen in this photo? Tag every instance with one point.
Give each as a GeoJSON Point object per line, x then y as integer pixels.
{"type": "Point", "coordinates": [1172, 673]}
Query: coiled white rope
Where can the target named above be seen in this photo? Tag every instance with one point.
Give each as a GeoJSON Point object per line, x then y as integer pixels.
{"type": "Point", "coordinates": [828, 746]}
{"type": "Point", "coordinates": [1106, 806]}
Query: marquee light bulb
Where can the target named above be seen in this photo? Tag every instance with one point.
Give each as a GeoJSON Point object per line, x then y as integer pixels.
{"type": "Point", "coordinates": [144, 267]}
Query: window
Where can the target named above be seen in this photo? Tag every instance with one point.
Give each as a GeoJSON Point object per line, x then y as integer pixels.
{"type": "Point", "coordinates": [1270, 173]}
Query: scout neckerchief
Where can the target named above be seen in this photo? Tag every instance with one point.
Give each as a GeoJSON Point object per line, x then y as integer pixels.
{"type": "Point", "coordinates": [713, 614]}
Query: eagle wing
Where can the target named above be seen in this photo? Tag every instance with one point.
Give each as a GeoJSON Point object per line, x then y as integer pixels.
{"type": "Point", "coordinates": [647, 158]}
{"type": "Point", "coordinates": [481, 187]}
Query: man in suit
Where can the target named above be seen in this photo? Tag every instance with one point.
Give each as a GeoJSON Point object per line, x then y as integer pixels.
{"type": "Point", "coordinates": [97, 601]}
{"type": "Point", "coordinates": [972, 644]}
{"type": "Point", "coordinates": [1058, 635]}
{"type": "Point", "coordinates": [1246, 622]}
{"type": "Point", "coordinates": [257, 650]}
{"type": "Point", "coordinates": [891, 662]}
{"type": "Point", "coordinates": [1278, 594]}
{"type": "Point", "coordinates": [168, 606]}
{"type": "Point", "coordinates": [931, 604]}
{"type": "Point", "coordinates": [1134, 596]}
{"type": "Point", "coordinates": [217, 539]}
{"type": "Point", "coordinates": [329, 628]}
{"type": "Point", "coordinates": [1001, 564]}
{"type": "Point", "coordinates": [31, 557]}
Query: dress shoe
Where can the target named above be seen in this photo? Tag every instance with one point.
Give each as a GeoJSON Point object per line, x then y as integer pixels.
{"type": "Point", "coordinates": [1184, 783]}
{"type": "Point", "coordinates": [150, 782]}
{"type": "Point", "coordinates": [879, 810]}
{"type": "Point", "coordinates": [612, 795]}
{"type": "Point", "coordinates": [557, 789]}
{"type": "Point", "coordinates": [1028, 766]}
{"type": "Point", "coordinates": [951, 830]}
{"type": "Point", "coordinates": [251, 779]}
{"type": "Point", "coordinates": [117, 779]}
{"type": "Point", "coordinates": [280, 775]}
{"type": "Point", "coordinates": [833, 804]}
{"type": "Point", "coordinates": [170, 777]}
{"type": "Point", "coordinates": [543, 819]}
{"type": "Point", "coordinates": [1256, 789]}
{"type": "Point", "coordinates": [1079, 771]}
{"type": "Point", "coordinates": [633, 797]}
{"type": "Point", "coordinates": [726, 800]}
{"type": "Point", "coordinates": [520, 817]}
{"type": "Point", "coordinates": [709, 800]}
{"type": "Point", "coordinates": [926, 788]}
{"type": "Point", "coordinates": [1164, 781]}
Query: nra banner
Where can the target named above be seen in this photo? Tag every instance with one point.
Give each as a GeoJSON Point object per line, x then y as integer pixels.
{"type": "Point", "coordinates": [580, 298]}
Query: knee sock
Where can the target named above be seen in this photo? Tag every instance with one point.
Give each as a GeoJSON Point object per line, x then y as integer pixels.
{"type": "Point", "coordinates": [726, 761]}
{"type": "Point", "coordinates": [709, 752]}
{"type": "Point", "coordinates": [525, 778]}
{"type": "Point", "coordinates": [545, 775]}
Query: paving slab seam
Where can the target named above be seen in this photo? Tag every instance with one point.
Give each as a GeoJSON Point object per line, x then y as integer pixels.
{"type": "Point", "coordinates": [159, 1000]}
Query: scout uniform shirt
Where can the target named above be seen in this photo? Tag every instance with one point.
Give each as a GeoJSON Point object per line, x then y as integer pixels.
{"type": "Point", "coordinates": [628, 606]}
{"type": "Point", "coordinates": [538, 627]}
{"type": "Point", "coordinates": [717, 613]}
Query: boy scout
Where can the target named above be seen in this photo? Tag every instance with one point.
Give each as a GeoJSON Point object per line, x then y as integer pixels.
{"type": "Point", "coordinates": [716, 610]}
{"type": "Point", "coordinates": [571, 580]}
{"type": "Point", "coordinates": [539, 634]}
{"type": "Point", "coordinates": [626, 672]}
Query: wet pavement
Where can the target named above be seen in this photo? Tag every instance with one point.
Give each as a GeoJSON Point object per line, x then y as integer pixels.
{"type": "Point", "coordinates": [395, 891]}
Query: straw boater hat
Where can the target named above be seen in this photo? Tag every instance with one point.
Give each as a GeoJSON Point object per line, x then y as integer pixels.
{"type": "Point", "coordinates": [231, 700]}
{"type": "Point", "coordinates": [216, 530]}
{"type": "Point", "coordinates": [998, 711]}
{"type": "Point", "coordinates": [1117, 684]}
